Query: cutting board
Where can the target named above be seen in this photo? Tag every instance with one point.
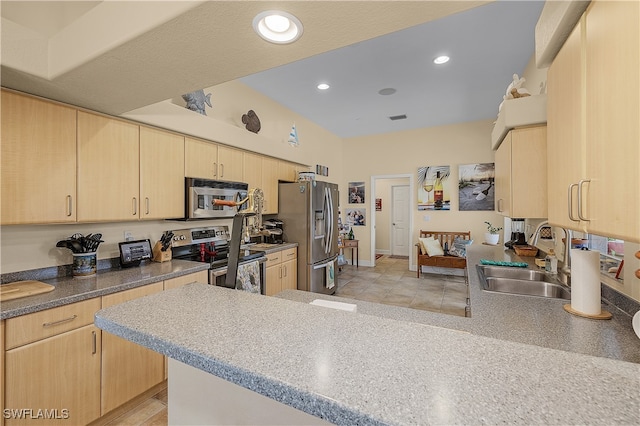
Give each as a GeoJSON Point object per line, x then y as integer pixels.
{"type": "Point", "coordinates": [20, 289]}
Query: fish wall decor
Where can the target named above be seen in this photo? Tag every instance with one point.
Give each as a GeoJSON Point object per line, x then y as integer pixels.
{"type": "Point", "coordinates": [196, 101]}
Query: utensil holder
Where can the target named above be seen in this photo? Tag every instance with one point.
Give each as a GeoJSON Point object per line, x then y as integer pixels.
{"type": "Point", "coordinates": [159, 255]}
{"type": "Point", "coordinates": [84, 264]}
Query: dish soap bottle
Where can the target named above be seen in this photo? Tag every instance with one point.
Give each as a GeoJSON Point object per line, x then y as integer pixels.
{"type": "Point", "coordinates": [551, 262]}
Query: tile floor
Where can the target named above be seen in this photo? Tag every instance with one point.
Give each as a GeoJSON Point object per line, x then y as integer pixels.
{"type": "Point", "coordinates": [390, 282]}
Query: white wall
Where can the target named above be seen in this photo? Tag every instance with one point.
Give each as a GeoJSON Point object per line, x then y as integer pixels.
{"type": "Point", "coordinates": [403, 153]}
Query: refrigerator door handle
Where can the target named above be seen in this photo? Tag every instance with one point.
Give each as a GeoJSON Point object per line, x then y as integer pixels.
{"type": "Point", "coordinates": [329, 222]}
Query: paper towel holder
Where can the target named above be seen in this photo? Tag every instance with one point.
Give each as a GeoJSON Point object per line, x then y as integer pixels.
{"type": "Point", "coordinates": [603, 315]}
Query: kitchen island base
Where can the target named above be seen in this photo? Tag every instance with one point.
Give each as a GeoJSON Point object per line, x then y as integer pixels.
{"type": "Point", "coordinates": [200, 398]}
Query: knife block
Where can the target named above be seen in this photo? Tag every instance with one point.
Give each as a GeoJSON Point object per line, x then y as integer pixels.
{"type": "Point", "coordinates": [159, 255]}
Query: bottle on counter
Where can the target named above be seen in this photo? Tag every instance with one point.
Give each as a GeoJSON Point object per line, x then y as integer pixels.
{"type": "Point", "coordinates": [438, 193]}
{"type": "Point", "coordinates": [551, 262]}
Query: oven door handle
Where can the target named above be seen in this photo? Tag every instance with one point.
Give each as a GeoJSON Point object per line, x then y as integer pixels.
{"type": "Point", "coordinates": [223, 271]}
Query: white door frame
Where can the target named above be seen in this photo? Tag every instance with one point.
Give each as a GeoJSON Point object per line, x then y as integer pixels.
{"type": "Point", "coordinates": [372, 204]}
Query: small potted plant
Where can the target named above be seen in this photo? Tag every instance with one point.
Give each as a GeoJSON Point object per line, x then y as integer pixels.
{"type": "Point", "coordinates": [491, 236]}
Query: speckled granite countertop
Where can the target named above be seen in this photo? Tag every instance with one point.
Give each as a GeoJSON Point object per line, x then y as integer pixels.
{"type": "Point", "coordinates": [524, 319]}
{"type": "Point", "coordinates": [70, 289]}
{"type": "Point", "coordinates": [355, 368]}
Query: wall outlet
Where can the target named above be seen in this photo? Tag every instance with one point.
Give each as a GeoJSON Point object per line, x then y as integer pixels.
{"type": "Point", "coordinates": [426, 218]}
{"type": "Point", "coordinates": [128, 236]}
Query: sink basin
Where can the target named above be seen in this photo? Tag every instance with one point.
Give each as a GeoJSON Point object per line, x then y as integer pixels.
{"type": "Point", "coordinates": [526, 282]}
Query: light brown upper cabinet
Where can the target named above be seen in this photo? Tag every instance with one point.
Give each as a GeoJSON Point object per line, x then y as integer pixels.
{"type": "Point", "coordinates": [270, 184]}
{"type": "Point", "coordinates": [262, 172]}
{"type": "Point", "coordinates": [200, 159]}
{"type": "Point", "coordinates": [108, 169]}
{"type": "Point", "coordinates": [38, 161]}
{"type": "Point", "coordinates": [230, 164]}
{"type": "Point", "coordinates": [161, 174]}
{"type": "Point", "coordinates": [564, 129]}
{"type": "Point", "coordinates": [252, 164]}
{"type": "Point", "coordinates": [595, 133]}
{"type": "Point", "coordinates": [521, 173]}
{"type": "Point", "coordinates": [288, 172]}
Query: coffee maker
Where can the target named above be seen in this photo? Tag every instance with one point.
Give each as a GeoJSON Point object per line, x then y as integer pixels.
{"type": "Point", "coordinates": [274, 228]}
{"type": "Point", "coordinates": [518, 237]}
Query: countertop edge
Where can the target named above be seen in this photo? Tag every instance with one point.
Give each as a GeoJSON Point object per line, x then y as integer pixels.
{"type": "Point", "coordinates": [66, 293]}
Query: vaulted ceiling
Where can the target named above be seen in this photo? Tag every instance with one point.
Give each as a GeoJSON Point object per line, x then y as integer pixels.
{"type": "Point", "coordinates": [118, 56]}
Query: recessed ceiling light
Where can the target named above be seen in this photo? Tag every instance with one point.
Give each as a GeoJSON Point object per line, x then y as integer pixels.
{"type": "Point", "coordinates": [277, 27]}
{"type": "Point", "coordinates": [441, 60]}
{"type": "Point", "coordinates": [387, 91]}
{"type": "Point", "coordinates": [323, 86]}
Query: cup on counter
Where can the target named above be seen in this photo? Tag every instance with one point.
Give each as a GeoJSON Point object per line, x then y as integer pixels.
{"type": "Point", "coordinates": [84, 264]}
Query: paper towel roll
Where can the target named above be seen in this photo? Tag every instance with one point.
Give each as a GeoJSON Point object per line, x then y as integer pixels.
{"type": "Point", "coordinates": [585, 281]}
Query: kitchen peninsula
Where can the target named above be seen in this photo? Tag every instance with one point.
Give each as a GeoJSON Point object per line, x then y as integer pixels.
{"type": "Point", "coordinates": [360, 368]}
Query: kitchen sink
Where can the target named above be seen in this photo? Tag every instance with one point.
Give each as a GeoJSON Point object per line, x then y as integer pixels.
{"type": "Point", "coordinates": [526, 282]}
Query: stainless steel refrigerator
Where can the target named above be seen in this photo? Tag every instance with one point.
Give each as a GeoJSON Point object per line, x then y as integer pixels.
{"type": "Point", "coordinates": [309, 212]}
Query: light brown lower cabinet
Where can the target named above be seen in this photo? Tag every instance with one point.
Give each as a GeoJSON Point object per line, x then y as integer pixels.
{"type": "Point", "coordinates": [200, 277]}
{"type": "Point", "coordinates": [128, 369]}
{"type": "Point", "coordinates": [282, 271]}
{"type": "Point", "coordinates": [55, 380]}
{"type": "Point", "coordinates": [56, 367]}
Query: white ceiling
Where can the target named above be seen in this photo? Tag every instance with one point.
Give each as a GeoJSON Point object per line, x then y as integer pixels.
{"type": "Point", "coordinates": [487, 45]}
{"type": "Point", "coordinates": [118, 56]}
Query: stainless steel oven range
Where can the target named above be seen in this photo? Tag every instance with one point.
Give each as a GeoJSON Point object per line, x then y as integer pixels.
{"type": "Point", "coordinates": [211, 245]}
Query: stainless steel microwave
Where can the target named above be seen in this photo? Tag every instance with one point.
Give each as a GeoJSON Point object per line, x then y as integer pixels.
{"type": "Point", "coordinates": [200, 194]}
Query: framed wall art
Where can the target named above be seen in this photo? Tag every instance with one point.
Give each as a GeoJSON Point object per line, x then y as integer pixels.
{"type": "Point", "coordinates": [356, 217]}
{"type": "Point", "coordinates": [433, 188]}
{"type": "Point", "coordinates": [356, 192]}
{"type": "Point", "coordinates": [476, 186]}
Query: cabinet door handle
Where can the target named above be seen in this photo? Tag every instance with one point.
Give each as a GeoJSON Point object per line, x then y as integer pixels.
{"type": "Point", "coordinates": [500, 204]}
{"type": "Point", "coordinates": [221, 170]}
{"type": "Point", "coordinates": [146, 203]}
{"type": "Point", "coordinates": [215, 169]}
{"type": "Point", "coordinates": [570, 201]}
{"type": "Point", "coordinates": [580, 199]}
{"type": "Point", "coordinates": [95, 343]}
{"type": "Point", "coordinates": [69, 205]}
{"type": "Point", "coordinates": [51, 324]}
{"type": "Point", "coordinates": [285, 270]}
{"type": "Point", "coordinates": [135, 206]}
{"type": "Point", "coordinates": [280, 273]}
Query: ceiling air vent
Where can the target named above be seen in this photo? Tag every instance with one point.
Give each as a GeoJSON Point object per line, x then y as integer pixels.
{"type": "Point", "coordinates": [398, 117]}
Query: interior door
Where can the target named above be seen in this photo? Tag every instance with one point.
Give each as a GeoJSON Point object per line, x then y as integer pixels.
{"type": "Point", "coordinates": [400, 220]}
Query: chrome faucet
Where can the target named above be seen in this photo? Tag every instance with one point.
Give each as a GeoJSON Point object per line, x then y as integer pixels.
{"type": "Point", "coordinates": [536, 234]}
{"type": "Point", "coordinates": [564, 272]}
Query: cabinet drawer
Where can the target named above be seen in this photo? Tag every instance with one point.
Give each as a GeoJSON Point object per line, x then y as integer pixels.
{"type": "Point", "coordinates": [39, 325]}
{"type": "Point", "coordinates": [134, 293]}
{"type": "Point", "coordinates": [201, 277]}
{"type": "Point", "coordinates": [289, 254]}
{"type": "Point", "coordinates": [350, 243]}
{"type": "Point", "coordinates": [274, 258]}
